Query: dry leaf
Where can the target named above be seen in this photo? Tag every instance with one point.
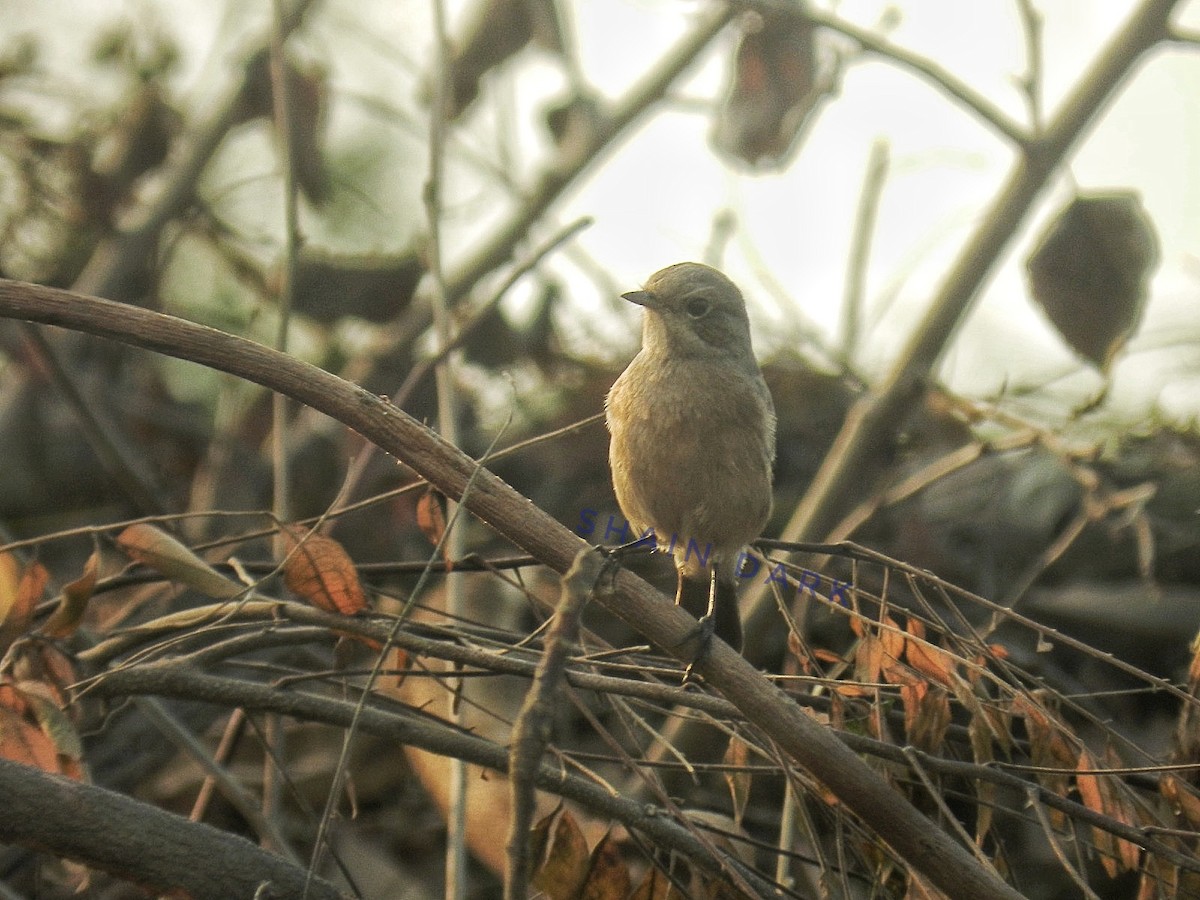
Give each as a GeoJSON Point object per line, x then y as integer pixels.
{"type": "Point", "coordinates": [608, 877]}
{"type": "Point", "coordinates": [155, 548]}
{"type": "Point", "coordinates": [933, 662]}
{"type": "Point", "coordinates": [23, 742]}
{"type": "Point", "coordinates": [565, 870]}
{"type": "Point", "coordinates": [1102, 794]}
{"type": "Point", "coordinates": [1181, 796]}
{"type": "Point", "coordinates": [75, 596]}
{"type": "Point", "coordinates": [1091, 271]}
{"type": "Point", "coordinates": [737, 756]}
{"type": "Point", "coordinates": [319, 569]}
{"type": "Point", "coordinates": [777, 86]}
{"type": "Point", "coordinates": [431, 519]}
{"type": "Point", "coordinates": [21, 601]}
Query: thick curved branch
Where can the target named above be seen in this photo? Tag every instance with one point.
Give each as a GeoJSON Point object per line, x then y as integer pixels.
{"type": "Point", "coordinates": [141, 843]}
{"type": "Point", "coordinates": [928, 849]}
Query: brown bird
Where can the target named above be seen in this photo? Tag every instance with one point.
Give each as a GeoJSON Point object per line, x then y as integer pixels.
{"type": "Point", "coordinates": [693, 437]}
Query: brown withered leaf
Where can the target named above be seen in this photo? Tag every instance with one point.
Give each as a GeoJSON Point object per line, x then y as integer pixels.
{"type": "Point", "coordinates": [431, 519]}
{"type": "Point", "coordinates": [932, 662]}
{"type": "Point", "coordinates": [320, 570]}
{"type": "Point", "coordinates": [43, 702]}
{"type": "Point", "coordinates": [1049, 749]}
{"type": "Point", "coordinates": [23, 742]}
{"type": "Point", "coordinates": [35, 732]}
{"type": "Point", "coordinates": [155, 548]}
{"type": "Point", "coordinates": [19, 598]}
{"type": "Point", "coordinates": [1090, 272]}
{"type": "Point", "coordinates": [737, 756]}
{"type": "Point", "coordinates": [1101, 794]}
{"type": "Point", "coordinates": [930, 715]}
{"type": "Point", "coordinates": [1182, 797]}
{"type": "Point", "coordinates": [75, 596]}
{"type": "Point", "coordinates": [565, 870]}
{"type": "Point", "coordinates": [608, 877]}
{"type": "Point", "coordinates": [778, 83]}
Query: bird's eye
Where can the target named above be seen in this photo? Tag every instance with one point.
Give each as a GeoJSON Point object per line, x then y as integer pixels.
{"type": "Point", "coordinates": [698, 307]}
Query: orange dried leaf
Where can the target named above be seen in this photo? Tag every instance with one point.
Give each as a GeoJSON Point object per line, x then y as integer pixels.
{"type": "Point", "coordinates": [892, 638]}
{"type": "Point", "coordinates": [826, 656]}
{"type": "Point", "coordinates": [320, 570]}
{"type": "Point", "coordinates": [431, 517]}
{"type": "Point", "coordinates": [1181, 796]}
{"type": "Point", "coordinates": [10, 577]}
{"type": "Point", "coordinates": [75, 596]}
{"type": "Point", "coordinates": [51, 719]}
{"type": "Point", "coordinates": [1101, 795]}
{"type": "Point", "coordinates": [23, 742]}
{"type": "Point", "coordinates": [22, 602]}
{"type": "Point", "coordinates": [737, 756]}
{"type": "Point", "coordinates": [155, 548]}
{"type": "Point", "coordinates": [933, 662]}
{"type": "Point", "coordinates": [868, 659]}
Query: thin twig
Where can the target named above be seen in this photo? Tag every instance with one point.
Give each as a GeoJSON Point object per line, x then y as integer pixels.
{"type": "Point", "coordinates": [1031, 80]}
{"type": "Point", "coordinates": [931, 72]}
{"type": "Point", "coordinates": [860, 246]}
{"type": "Point", "coordinates": [534, 723]}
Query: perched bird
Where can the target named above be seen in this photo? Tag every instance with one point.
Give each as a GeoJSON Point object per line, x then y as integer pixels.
{"type": "Point", "coordinates": [693, 436]}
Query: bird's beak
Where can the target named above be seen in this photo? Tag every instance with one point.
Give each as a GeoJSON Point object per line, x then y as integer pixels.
{"type": "Point", "coordinates": [641, 298]}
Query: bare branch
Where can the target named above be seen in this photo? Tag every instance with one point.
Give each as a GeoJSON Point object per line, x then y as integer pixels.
{"type": "Point", "coordinates": [863, 790]}
{"type": "Point", "coordinates": [136, 841]}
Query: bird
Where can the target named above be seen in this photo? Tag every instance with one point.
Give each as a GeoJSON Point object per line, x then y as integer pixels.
{"type": "Point", "coordinates": [692, 437]}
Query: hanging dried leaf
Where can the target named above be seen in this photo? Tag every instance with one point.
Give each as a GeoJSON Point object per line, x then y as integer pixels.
{"type": "Point", "coordinates": [155, 548]}
{"type": "Point", "coordinates": [608, 876]}
{"type": "Point", "coordinates": [932, 662]}
{"type": "Point", "coordinates": [737, 757]}
{"type": "Point", "coordinates": [1183, 797]}
{"type": "Point", "coordinates": [926, 713]}
{"type": "Point", "coordinates": [23, 742]}
{"type": "Point", "coordinates": [1091, 270]}
{"type": "Point", "coordinates": [431, 519]}
{"type": "Point", "coordinates": [75, 596]}
{"type": "Point", "coordinates": [1048, 749]}
{"type": "Point", "coordinates": [54, 723]}
{"type": "Point", "coordinates": [36, 732]}
{"type": "Point", "coordinates": [496, 31]}
{"type": "Point", "coordinates": [539, 835]}
{"type": "Point", "coordinates": [320, 570]}
{"type": "Point", "coordinates": [778, 83]}
{"type": "Point", "coordinates": [1100, 793]}
{"type": "Point", "coordinates": [868, 660]}
{"type": "Point", "coordinates": [563, 874]}
{"type": "Point", "coordinates": [18, 598]}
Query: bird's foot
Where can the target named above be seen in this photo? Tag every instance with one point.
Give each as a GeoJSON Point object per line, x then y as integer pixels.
{"type": "Point", "coordinates": [703, 635]}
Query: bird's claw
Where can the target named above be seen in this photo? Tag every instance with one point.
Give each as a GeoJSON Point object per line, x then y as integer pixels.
{"type": "Point", "coordinates": [703, 634]}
